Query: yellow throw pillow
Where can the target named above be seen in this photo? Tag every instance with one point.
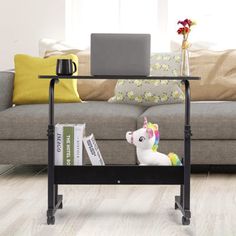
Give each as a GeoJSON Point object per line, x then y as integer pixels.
{"type": "Point", "coordinates": [28, 88]}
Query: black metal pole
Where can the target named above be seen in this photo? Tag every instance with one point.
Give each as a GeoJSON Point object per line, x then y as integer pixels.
{"type": "Point", "coordinates": [187, 150]}
{"type": "Point", "coordinates": [52, 195]}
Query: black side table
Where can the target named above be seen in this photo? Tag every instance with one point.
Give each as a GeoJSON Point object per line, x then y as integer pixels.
{"type": "Point", "coordinates": [120, 174]}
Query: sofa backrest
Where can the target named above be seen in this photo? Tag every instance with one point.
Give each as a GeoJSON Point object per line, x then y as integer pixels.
{"type": "Point", "coordinates": [6, 89]}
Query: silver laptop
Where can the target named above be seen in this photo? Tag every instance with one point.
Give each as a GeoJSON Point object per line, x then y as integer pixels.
{"type": "Point", "coordinates": [120, 54]}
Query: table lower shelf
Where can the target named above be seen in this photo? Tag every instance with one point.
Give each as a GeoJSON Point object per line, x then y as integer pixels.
{"type": "Point", "coordinates": [119, 174]}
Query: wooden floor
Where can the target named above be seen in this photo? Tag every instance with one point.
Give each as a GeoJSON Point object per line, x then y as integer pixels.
{"type": "Point", "coordinates": [114, 210]}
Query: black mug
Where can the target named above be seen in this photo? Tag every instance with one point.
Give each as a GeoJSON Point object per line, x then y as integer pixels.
{"type": "Point", "coordinates": [65, 67]}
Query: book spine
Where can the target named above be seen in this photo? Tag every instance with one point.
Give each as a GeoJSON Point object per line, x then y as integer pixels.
{"type": "Point", "coordinates": [78, 143]}
{"type": "Point", "coordinates": [94, 156]}
{"type": "Point", "coordinates": [68, 145]}
{"type": "Point", "coordinates": [98, 153]}
{"type": "Point", "coordinates": [58, 145]}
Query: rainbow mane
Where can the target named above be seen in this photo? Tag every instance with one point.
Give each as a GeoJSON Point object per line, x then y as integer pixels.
{"type": "Point", "coordinates": [157, 135]}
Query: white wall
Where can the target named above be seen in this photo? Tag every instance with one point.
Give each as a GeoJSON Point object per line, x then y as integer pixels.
{"type": "Point", "coordinates": [24, 22]}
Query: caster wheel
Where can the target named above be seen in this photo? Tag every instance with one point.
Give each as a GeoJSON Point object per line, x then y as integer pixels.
{"type": "Point", "coordinates": [185, 221]}
{"type": "Point", "coordinates": [176, 206]}
{"type": "Point", "coordinates": [51, 220]}
{"type": "Point", "coordinates": [60, 206]}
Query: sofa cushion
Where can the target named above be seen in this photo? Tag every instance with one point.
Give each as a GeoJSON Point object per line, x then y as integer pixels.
{"type": "Point", "coordinates": [206, 152]}
{"type": "Point", "coordinates": [217, 70]}
{"type": "Point", "coordinates": [28, 152]}
{"type": "Point", "coordinates": [209, 120]}
{"type": "Point", "coordinates": [105, 120]}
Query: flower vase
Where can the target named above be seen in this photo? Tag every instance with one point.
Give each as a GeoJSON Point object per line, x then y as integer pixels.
{"type": "Point", "coordinates": [184, 70]}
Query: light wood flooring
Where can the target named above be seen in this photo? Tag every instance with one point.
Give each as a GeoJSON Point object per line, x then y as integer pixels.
{"type": "Point", "coordinates": [114, 210]}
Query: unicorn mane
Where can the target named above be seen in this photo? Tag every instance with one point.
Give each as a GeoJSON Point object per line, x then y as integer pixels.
{"type": "Point", "coordinates": [156, 134]}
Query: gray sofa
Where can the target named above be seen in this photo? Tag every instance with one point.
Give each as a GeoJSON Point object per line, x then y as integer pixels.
{"type": "Point", "coordinates": [23, 136]}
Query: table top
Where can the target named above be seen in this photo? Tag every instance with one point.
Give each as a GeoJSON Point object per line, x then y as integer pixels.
{"type": "Point", "coordinates": [124, 77]}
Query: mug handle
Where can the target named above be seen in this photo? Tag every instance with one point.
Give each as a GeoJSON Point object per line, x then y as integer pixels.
{"type": "Point", "coordinates": [75, 68]}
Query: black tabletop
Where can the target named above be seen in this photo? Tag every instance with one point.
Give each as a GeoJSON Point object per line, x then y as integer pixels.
{"type": "Point", "coordinates": [124, 77]}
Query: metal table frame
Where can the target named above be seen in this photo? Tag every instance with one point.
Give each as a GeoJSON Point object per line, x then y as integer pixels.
{"type": "Point", "coordinates": [120, 174]}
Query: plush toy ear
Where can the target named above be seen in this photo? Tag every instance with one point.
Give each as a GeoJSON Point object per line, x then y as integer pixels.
{"type": "Point", "coordinates": [145, 122]}
{"type": "Point", "coordinates": [149, 132]}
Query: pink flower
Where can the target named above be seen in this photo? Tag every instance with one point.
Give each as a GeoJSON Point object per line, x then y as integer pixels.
{"type": "Point", "coordinates": [185, 30]}
{"type": "Point", "coordinates": [186, 22]}
{"type": "Point", "coordinates": [183, 23]}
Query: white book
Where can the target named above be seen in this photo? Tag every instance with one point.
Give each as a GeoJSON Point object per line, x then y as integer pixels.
{"type": "Point", "coordinates": [93, 151]}
{"type": "Point", "coordinates": [58, 145]}
{"type": "Point", "coordinates": [98, 153]}
{"type": "Point", "coordinates": [78, 144]}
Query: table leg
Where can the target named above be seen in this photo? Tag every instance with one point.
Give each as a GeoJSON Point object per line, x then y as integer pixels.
{"type": "Point", "coordinates": [187, 156]}
{"type": "Point", "coordinates": [182, 202]}
{"type": "Point", "coordinates": [52, 188]}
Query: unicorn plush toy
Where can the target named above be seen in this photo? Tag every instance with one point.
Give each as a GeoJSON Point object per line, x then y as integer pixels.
{"type": "Point", "coordinates": [146, 141]}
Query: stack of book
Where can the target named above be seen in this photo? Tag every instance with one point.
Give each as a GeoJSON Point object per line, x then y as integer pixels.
{"type": "Point", "coordinates": [69, 139]}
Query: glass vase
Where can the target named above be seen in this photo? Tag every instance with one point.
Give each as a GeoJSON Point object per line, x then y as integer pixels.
{"type": "Point", "coordinates": [184, 70]}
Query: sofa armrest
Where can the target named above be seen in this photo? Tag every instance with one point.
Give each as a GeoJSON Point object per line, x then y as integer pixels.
{"type": "Point", "coordinates": [6, 89]}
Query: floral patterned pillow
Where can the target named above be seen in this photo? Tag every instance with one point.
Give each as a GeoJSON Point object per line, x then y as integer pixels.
{"type": "Point", "coordinates": [153, 92]}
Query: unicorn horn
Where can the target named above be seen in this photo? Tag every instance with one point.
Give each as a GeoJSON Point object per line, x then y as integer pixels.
{"type": "Point", "coordinates": [145, 122]}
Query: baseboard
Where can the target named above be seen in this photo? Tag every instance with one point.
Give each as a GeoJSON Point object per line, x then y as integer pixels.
{"type": "Point", "coordinates": [229, 169]}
